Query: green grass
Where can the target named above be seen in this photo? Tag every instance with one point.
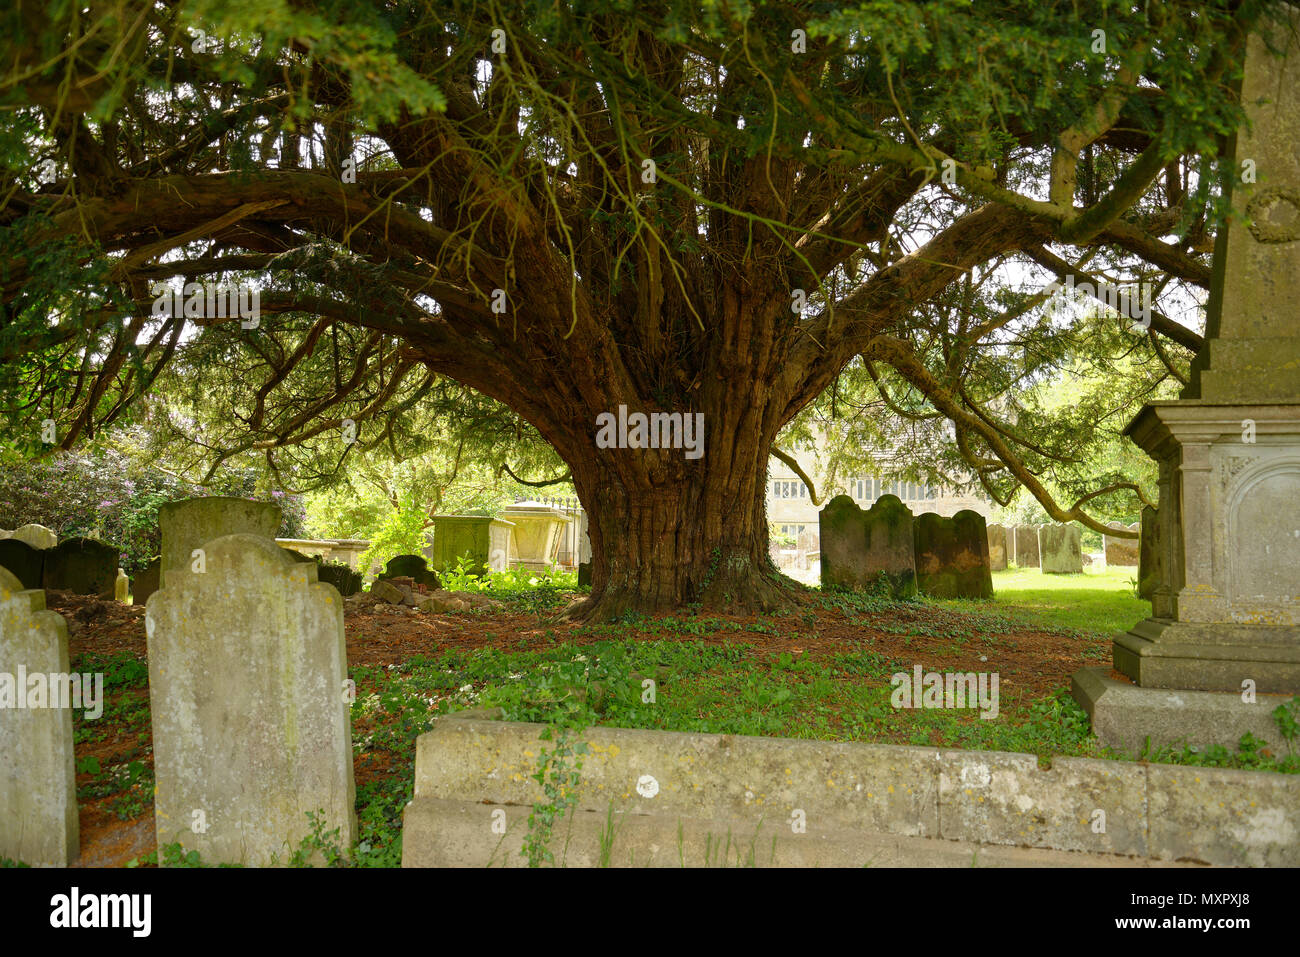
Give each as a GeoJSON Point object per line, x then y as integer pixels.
{"type": "Point", "coordinates": [1100, 602]}
{"type": "Point", "coordinates": [711, 687]}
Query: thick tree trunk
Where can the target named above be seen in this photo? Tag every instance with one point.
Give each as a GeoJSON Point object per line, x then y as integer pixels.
{"type": "Point", "coordinates": [667, 531]}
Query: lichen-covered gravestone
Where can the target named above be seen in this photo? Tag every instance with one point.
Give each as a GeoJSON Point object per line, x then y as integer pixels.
{"type": "Point", "coordinates": [27, 564]}
{"type": "Point", "coordinates": [38, 794]}
{"type": "Point", "coordinates": [952, 555]}
{"type": "Point", "coordinates": [1120, 551]}
{"type": "Point", "coordinates": [251, 728]}
{"type": "Point", "coordinates": [860, 549]}
{"type": "Point", "coordinates": [1060, 549]}
{"type": "Point", "coordinates": [37, 536]}
{"type": "Point", "coordinates": [186, 525]}
{"type": "Point", "coordinates": [82, 566]}
{"type": "Point", "coordinates": [1026, 546]}
{"type": "Point", "coordinates": [997, 548]}
{"type": "Point", "coordinates": [414, 567]}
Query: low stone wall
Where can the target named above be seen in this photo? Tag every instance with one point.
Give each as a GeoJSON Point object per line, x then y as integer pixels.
{"type": "Point", "coordinates": [348, 551]}
{"type": "Point", "coordinates": [667, 798]}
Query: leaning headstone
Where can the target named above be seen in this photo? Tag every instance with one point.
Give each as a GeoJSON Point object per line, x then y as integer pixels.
{"type": "Point", "coordinates": [145, 583]}
{"type": "Point", "coordinates": [997, 548]}
{"type": "Point", "coordinates": [83, 566]}
{"type": "Point", "coordinates": [414, 567]}
{"type": "Point", "coordinates": [952, 555]}
{"type": "Point", "coordinates": [37, 536]}
{"type": "Point", "coordinates": [26, 563]}
{"type": "Point", "coordinates": [186, 525]}
{"type": "Point", "coordinates": [251, 726]}
{"type": "Point", "coordinates": [1150, 573]}
{"type": "Point", "coordinates": [1060, 549]}
{"type": "Point", "coordinates": [1120, 551]}
{"type": "Point", "coordinates": [1026, 546]}
{"type": "Point", "coordinates": [38, 791]}
{"type": "Point", "coordinates": [858, 548]}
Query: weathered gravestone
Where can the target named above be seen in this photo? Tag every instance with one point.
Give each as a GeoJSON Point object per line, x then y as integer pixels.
{"type": "Point", "coordinates": [186, 525]}
{"type": "Point", "coordinates": [1121, 551]}
{"type": "Point", "coordinates": [38, 793]}
{"type": "Point", "coordinates": [862, 549]}
{"type": "Point", "coordinates": [997, 548]}
{"type": "Point", "coordinates": [26, 563]}
{"type": "Point", "coordinates": [343, 577]}
{"type": "Point", "coordinates": [1149, 571]}
{"type": "Point", "coordinates": [37, 536]}
{"type": "Point", "coordinates": [414, 567]}
{"type": "Point", "coordinates": [952, 555]}
{"type": "Point", "coordinates": [1060, 549]}
{"type": "Point", "coordinates": [146, 582]}
{"type": "Point", "coordinates": [83, 566]}
{"type": "Point", "coordinates": [1026, 546]}
{"type": "Point", "coordinates": [121, 587]}
{"type": "Point", "coordinates": [251, 727]}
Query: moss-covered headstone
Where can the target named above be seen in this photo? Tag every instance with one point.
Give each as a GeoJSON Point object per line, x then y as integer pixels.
{"type": "Point", "coordinates": [952, 555]}
{"type": "Point", "coordinates": [863, 549]}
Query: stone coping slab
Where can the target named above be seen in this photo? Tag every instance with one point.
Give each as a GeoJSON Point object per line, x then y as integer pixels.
{"type": "Point", "coordinates": [1088, 806]}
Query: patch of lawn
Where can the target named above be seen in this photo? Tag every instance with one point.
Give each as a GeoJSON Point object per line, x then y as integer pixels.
{"type": "Point", "coordinates": [1100, 602]}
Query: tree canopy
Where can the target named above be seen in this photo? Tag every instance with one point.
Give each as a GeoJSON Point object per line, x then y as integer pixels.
{"type": "Point", "coordinates": [736, 209]}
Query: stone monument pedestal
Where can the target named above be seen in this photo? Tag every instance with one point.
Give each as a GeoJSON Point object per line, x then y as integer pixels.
{"type": "Point", "coordinates": [1226, 608]}
{"type": "Point", "coordinates": [1221, 566]}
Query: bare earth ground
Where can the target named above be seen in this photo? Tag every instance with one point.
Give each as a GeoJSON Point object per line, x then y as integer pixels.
{"type": "Point", "coordinates": [1031, 664]}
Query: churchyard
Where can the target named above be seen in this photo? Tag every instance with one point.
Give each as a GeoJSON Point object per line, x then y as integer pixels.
{"type": "Point", "coordinates": [452, 533]}
{"type": "Point", "coordinates": [822, 674]}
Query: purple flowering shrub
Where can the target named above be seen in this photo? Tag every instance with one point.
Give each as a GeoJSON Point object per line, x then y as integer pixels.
{"type": "Point", "coordinates": [109, 497]}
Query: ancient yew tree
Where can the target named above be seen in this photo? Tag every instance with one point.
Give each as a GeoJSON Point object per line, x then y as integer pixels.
{"type": "Point", "coordinates": [570, 207]}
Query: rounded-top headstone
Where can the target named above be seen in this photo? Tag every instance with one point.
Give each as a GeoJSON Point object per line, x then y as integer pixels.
{"type": "Point", "coordinates": [414, 567]}
{"type": "Point", "coordinates": [188, 524]}
{"type": "Point", "coordinates": [952, 555]}
{"type": "Point", "coordinates": [247, 663]}
{"type": "Point", "coordinates": [83, 566]}
{"type": "Point", "coordinates": [37, 536]}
